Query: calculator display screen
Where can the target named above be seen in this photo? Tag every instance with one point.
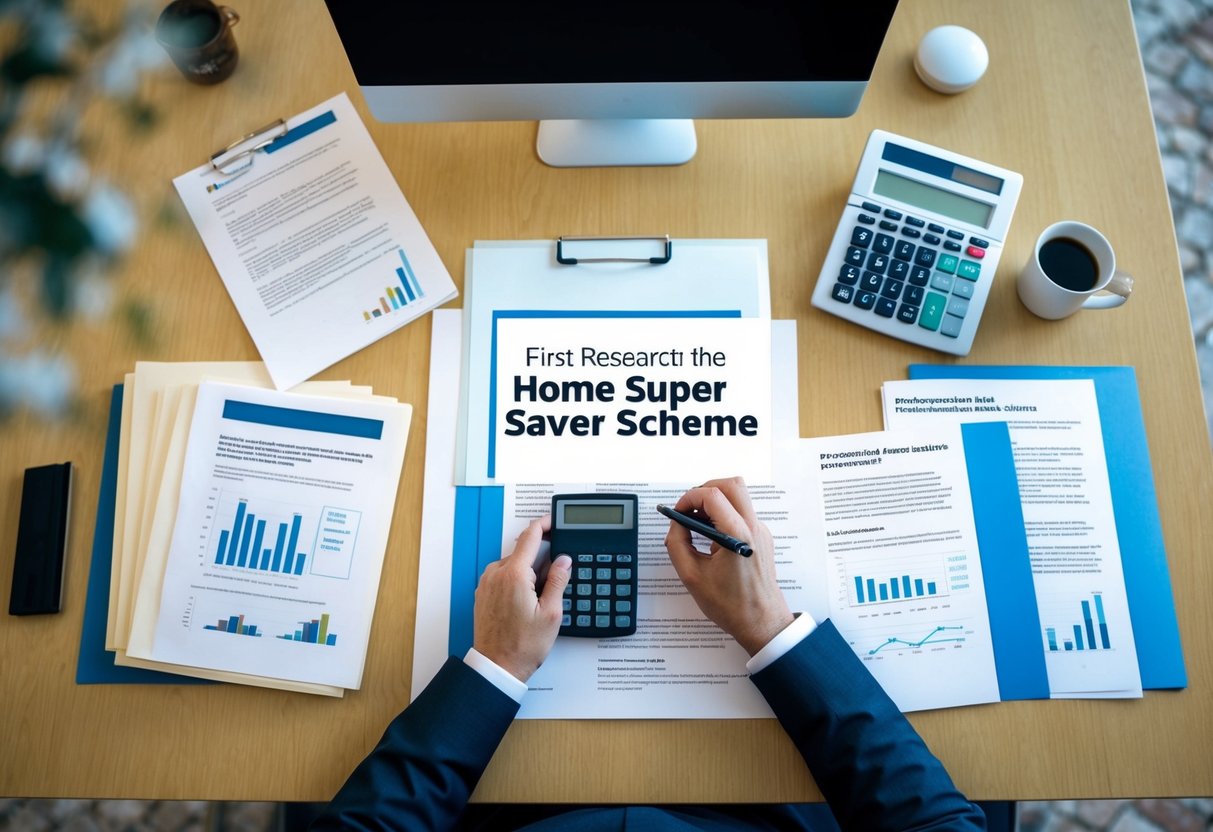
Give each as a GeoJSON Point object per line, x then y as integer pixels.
{"type": "Point", "coordinates": [592, 515]}
{"type": "Point", "coordinates": [913, 192]}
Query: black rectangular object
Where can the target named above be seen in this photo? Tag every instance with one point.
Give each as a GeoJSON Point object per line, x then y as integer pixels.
{"type": "Point", "coordinates": [41, 540]}
{"type": "Point", "coordinates": [599, 532]}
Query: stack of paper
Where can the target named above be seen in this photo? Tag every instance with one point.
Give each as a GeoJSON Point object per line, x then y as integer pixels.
{"type": "Point", "coordinates": [1106, 620]}
{"type": "Point", "coordinates": [250, 525]}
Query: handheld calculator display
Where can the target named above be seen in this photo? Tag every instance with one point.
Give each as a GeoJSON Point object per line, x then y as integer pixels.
{"type": "Point", "coordinates": [598, 531]}
{"type": "Point", "coordinates": [918, 243]}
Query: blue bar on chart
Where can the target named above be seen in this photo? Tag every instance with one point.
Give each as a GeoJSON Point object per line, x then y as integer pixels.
{"type": "Point", "coordinates": [1103, 624]}
{"type": "Point", "coordinates": [315, 631]}
{"type": "Point", "coordinates": [234, 625]}
{"type": "Point", "coordinates": [245, 537]}
{"type": "Point", "coordinates": [276, 563]}
{"type": "Point", "coordinates": [1089, 634]}
{"type": "Point", "coordinates": [222, 553]}
{"type": "Point", "coordinates": [1086, 617]}
{"type": "Point", "coordinates": [241, 546]}
{"type": "Point", "coordinates": [896, 588]}
{"type": "Point", "coordinates": [234, 537]}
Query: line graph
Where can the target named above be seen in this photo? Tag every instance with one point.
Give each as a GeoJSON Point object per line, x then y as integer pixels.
{"type": "Point", "coordinates": [930, 638]}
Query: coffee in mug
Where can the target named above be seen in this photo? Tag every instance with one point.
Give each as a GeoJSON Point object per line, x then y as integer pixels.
{"type": "Point", "coordinates": [197, 35]}
{"type": "Point", "coordinates": [1070, 263]}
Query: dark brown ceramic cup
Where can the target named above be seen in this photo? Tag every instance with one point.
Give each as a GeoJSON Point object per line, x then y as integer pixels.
{"type": "Point", "coordinates": [197, 35]}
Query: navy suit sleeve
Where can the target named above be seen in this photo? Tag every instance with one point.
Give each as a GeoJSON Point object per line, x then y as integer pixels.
{"type": "Point", "coordinates": [869, 762]}
{"type": "Point", "coordinates": [423, 771]}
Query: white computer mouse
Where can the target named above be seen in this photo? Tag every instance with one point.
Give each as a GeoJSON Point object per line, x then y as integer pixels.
{"type": "Point", "coordinates": [951, 59]}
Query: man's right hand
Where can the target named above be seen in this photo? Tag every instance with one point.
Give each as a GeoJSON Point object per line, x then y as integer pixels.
{"type": "Point", "coordinates": [739, 594]}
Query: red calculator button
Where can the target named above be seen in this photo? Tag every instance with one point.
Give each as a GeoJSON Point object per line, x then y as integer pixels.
{"type": "Point", "coordinates": [974, 251]}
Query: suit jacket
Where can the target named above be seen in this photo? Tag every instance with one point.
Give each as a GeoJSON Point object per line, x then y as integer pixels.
{"type": "Point", "coordinates": [872, 767]}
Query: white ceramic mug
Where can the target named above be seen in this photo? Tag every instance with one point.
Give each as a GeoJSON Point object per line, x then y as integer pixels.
{"type": "Point", "coordinates": [1044, 297]}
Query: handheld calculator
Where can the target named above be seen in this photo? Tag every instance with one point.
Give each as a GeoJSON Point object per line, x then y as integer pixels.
{"type": "Point", "coordinates": [918, 243]}
{"type": "Point", "coordinates": [598, 531]}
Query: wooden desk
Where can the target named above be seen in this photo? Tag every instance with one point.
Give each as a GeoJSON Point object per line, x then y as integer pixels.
{"type": "Point", "coordinates": [1064, 103]}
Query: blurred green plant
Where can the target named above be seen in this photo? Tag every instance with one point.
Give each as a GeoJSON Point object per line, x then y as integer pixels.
{"type": "Point", "coordinates": [60, 221]}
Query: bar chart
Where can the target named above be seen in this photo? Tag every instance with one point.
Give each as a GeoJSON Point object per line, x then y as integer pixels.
{"type": "Point", "coordinates": [264, 536]}
{"type": "Point", "coordinates": [234, 625]}
{"type": "Point", "coordinates": [315, 631]}
{"type": "Point", "coordinates": [869, 579]}
{"type": "Point", "coordinates": [1091, 633]}
{"type": "Point", "coordinates": [893, 588]}
{"type": "Point", "coordinates": [397, 297]}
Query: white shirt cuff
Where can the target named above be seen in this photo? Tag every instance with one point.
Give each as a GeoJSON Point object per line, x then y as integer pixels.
{"type": "Point", "coordinates": [501, 678]}
{"type": "Point", "coordinates": [785, 640]}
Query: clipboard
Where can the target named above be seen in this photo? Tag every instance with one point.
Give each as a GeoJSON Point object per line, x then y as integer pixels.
{"type": "Point", "coordinates": [606, 250]}
{"type": "Point", "coordinates": [237, 158]}
{"type": "Point", "coordinates": [524, 279]}
{"type": "Point", "coordinates": [257, 194]}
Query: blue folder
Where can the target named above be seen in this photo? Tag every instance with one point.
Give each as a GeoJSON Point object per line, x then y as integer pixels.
{"type": "Point", "coordinates": [95, 664]}
{"type": "Point", "coordinates": [1143, 555]}
{"type": "Point", "coordinates": [1005, 563]}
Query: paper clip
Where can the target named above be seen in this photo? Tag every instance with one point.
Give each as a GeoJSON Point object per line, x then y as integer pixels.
{"type": "Point", "coordinates": [573, 261]}
{"type": "Point", "coordinates": [239, 154]}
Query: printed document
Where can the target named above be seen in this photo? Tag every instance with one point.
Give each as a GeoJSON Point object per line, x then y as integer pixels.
{"type": "Point", "coordinates": [280, 534]}
{"type": "Point", "coordinates": [315, 242]}
{"type": "Point", "coordinates": [893, 517]}
{"type": "Point", "coordinates": [679, 665]}
{"type": "Point", "coordinates": [641, 400]}
{"type": "Point", "coordinates": [1084, 628]}
{"type": "Point", "coordinates": [888, 545]}
{"type": "Point", "coordinates": [610, 323]}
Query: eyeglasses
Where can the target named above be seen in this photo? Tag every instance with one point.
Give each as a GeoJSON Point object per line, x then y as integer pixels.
{"type": "Point", "coordinates": [237, 157]}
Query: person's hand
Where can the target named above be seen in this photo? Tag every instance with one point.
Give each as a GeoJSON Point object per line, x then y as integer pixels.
{"type": "Point", "coordinates": [739, 594]}
{"type": "Point", "coordinates": [515, 624]}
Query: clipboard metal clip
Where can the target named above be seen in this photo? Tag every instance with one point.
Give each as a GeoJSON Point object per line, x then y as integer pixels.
{"type": "Point", "coordinates": [238, 155]}
{"type": "Point", "coordinates": [664, 239]}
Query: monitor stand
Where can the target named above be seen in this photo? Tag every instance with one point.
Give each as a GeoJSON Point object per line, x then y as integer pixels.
{"type": "Point", "coordinates": [592, 143]}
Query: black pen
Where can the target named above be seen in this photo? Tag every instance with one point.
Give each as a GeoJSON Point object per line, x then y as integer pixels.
{"type": "Point", "coordinates": [707, 530]}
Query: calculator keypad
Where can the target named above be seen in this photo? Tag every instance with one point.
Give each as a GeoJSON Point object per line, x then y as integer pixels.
{"type": "Point", "coordinates": [918, 278]}
{"type": "Point", "coordinates": [599, 598]}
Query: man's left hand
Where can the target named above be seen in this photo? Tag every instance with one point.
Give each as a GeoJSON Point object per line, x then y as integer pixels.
{"type": "Point", "coordinates": [516, 623]}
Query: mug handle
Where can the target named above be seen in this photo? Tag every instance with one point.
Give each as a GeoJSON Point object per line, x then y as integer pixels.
{"type": "Point", "coordinates": [1119, 288]}
{"type": "Point", "coordinates": [230, 15]}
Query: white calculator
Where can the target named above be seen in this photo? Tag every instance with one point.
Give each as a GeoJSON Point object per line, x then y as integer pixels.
{"type": "Point", "coordinates": [918, 243]}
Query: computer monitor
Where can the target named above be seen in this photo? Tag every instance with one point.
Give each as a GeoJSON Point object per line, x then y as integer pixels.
{"type": "Point", "coordinates": [613, 83]}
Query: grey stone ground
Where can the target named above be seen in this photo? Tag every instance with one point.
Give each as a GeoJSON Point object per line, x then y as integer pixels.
{"type": "Point", "coordinates": [1176, 38]}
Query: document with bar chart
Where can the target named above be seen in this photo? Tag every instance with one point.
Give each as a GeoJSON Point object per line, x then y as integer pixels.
{"type": "Point", "coordinates": [312, 236]}
{"type": "Point", "coordinates": [894, 515]}
{"type": "Point", "coordinates": [926, 563]}
{"type": "Point", "coordinates": [1085, 628]}
{"type": "Point", "coordinates": [280, 534]}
